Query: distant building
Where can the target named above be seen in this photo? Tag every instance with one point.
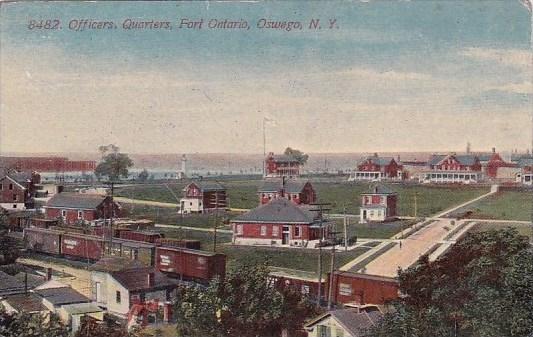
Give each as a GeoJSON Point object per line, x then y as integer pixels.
{"type": "Point", "coordinates": [300, 192]}
{"type": "Point", "coordinates": [497, 168]}
{"type": "Point", "coordinates": [376, 168]}
{"type": "Point", "coordinates": [379, 204]}
{"type": "Point", "coordinates": [77, 207]}
{"type": "Point", "coordinates": [525, 174]}
{"type": "Point", "coordinates": [277, 166]}
{"type": "Point", "coordinates": [203, 197]}
{"type": "Point", "coordinates": [413, 169]}
{"type": "Point", "coordinates": [453, 168]}
{"type": "Point", "coordinates": [280, 222]}
{"type": "Point", "coordinates": [48, 164]}
{"type": "Point", "coordinates": [351, 322]}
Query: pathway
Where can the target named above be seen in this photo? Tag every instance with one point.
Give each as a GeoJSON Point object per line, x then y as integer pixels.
{"type": "Point", "coordinates": [145, 202]}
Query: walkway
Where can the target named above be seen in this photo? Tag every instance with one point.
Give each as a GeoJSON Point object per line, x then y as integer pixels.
{"type": "Point", "coordinates": [145, 202]}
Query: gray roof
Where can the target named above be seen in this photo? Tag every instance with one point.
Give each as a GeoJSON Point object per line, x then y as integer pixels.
{"type": "Point", "coordinates": [379, 189]}
{"type": "Point", "coordinates": [81, 308]}
{"type": "Point", "coordinates": [76, 200]}
{"type": "Point", "coordinates": [33, 280]}
{"type": "Point", "coordinates": [28, 302]}
{"type": "Point", "coordinates": [279, 211]}
{"type": "Point", "coordinates": [275, 185]}
{"type": "Point", "coordinates": [465, 159]}
{"type": "Point", "coordinates": [137, 279]}
{"type": "Point", "coordinates": [523, 162]}
{"type": "Point", "coordinates": [10, 285]}
{"type": "Point", "coordinates": [206, 186]}
{"type": "Point", "coordinates": [60, 296]}
{"type": "Point", "coordinates": [356, 323]}
{"type": "Point", "coordinates": [381, 161]}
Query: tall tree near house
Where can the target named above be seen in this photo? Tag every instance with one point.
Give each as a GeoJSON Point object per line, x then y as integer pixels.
{"type": "Point", "coordinates": [483, 287]}
{"type": "Point", "coordinates": [297, 154]}
{"type": "Point", "coordinates": [29, 325]}
{"type": "Point", "coordinates": [9, 248]}
{"type": "Point", "coordinates": [244, 304]}
{"type": "Point", "coordinates": [114, 164]}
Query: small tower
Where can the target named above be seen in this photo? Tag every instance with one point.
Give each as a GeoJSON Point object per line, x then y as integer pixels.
{"type": "Point", "coordinates": [182, 174]}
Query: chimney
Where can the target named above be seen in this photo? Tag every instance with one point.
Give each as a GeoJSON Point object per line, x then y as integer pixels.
{"type": "Point", "coordinates": [151, 279]}
{"type": "Point", "coordinates": [375, 154]}
{"type": "Point", "coordinates": [493, 150]}
{"type": "Point", "coordinates": [48, 274]}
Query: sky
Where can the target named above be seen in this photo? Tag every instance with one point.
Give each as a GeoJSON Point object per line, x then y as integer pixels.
{"type": "Point", "coordinates": [388, 76]}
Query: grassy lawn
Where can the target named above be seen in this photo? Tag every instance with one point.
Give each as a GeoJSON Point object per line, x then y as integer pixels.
{"type": "Point", "coordinates": [523, 229]}
{"type": "Point", "coordinates": [205, 238]}
{"type": "Point", "coordinates": [151, 192]}
{"type": "Point", "coordinates": [372, 230]}
{"type": "Point", "coordinates": [293, 258]}
{"type": "Point", "coordinates": [504, 205]}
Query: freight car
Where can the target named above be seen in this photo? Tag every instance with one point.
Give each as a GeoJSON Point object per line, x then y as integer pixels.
{"type": "Point", "coordinates": [144, 236]}
{"type": "Point", "coordinates": [104, 231]}
{"type": "Point", "coordinates": [167, 242]}
{"type": "Point", "coordinates": [134, 250]}
{"type": "Point", "coordinates": [190, 264]}
{"type": "Point", "coordinates": [43, 240]}
{"type": "Point", "coordinates": [81, 246]}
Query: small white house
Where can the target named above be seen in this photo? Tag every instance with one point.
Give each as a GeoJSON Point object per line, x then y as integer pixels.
{"type": "Point", "coordinates": [343, 323]}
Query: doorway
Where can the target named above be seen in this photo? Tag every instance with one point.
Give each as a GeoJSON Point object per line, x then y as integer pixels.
{"type": "Point", "coordinates": [285, 235]}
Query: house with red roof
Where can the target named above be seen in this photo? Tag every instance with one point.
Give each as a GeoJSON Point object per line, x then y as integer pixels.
{"type": "Point", "coordinates": [281, 165]}
{"type": "Point", "coordinates": [453, 169]}
{"type": "Point", "coordinates": [79, 207]}
{"type": "Point", "coordinates": [376, 168]}
{"type": "Point", "coordinates": [378, 204]}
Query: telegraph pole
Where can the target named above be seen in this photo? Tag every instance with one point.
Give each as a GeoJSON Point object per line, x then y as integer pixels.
{"type": "Point", "coordinates": [320, 211]}
{"type": "Point", "coordinates": [345, 230]}
{"type": "Point", "coordinates": [332, 269]}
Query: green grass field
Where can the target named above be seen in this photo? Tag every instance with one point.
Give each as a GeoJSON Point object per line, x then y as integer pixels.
{"type": "Point", "coordinates": [504, 205]}
{"type": "Point", "coordinates": [292, 258]}
{"type": "Point", "coordinates": [372, 230]}
{"type": "Point", "coordinates": [523, 229]}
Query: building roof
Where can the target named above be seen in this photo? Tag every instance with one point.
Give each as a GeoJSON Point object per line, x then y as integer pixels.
{"type": "Point", "coordinates": [75, 200]}
{"type": "Point", "coordinates": [279, 211]}
{"type": "Point", "coordinates": [379, 189]}
{"type": "Point", "coordinates": [115, 263]}
{"type": "Point", "coordinates": [61, 296]}
{"type": "Point", "coordinates": [354, 322]}
{"type": "Point", "coordinates": [206, 186]}
{"type": "Point", "coordinates": [33, 280]}
{"type": "Point", "coordinates": [464, 159]}
{"type": "Point", "coordinates": [524, 162]}
{"type": "Point", "coordinates": [10, 285]}
{"type": "Point", "coordinates": [10, 177]}
{"type": "Point", "coordinates": [275, 185]}
{"type": "Point", "coordinates": [28, 302]}
{"type": "Point", "coordinates": [51, 284]}
{"type": "Point", "coordinates": [81, 308]}
{"type": "Point", "coordinates": [137, 279]}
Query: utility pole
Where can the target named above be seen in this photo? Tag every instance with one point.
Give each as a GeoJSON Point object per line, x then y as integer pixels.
{"type": "Point", "coordinates": [332, 269]}
{"type": "Point", "coordinates": [416, 205]}
{"type": "Point", "coordinates": [320, 211]}
{"type": "Point", "coordinates": [345, 230]}
{"type": "Point", "coordinates": [216, 221]}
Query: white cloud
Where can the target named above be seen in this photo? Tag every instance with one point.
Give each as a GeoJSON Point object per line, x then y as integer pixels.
{"type": "Point", "coordinates": [512, 57]}
{"type": "Point", "coordinates": [516, 88]}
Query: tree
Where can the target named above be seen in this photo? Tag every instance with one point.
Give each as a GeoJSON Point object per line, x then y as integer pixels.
{"type": "Point", "coordinates": [9, 249]}
{"type": "Point", "coordinates": [31, 325]}
{"type": "Point", "coordinates": [483, 287]}
{"type": "Point", "coordinates": [114, 164]}
{"type": "Point", "coordinates": [143, 176]}
{"type": "Point", "coordinates": [297, 154]}
{"type": "Point", "coordinates": [244, 304]}
{"type": "Point", "coordinates": [90, 327]}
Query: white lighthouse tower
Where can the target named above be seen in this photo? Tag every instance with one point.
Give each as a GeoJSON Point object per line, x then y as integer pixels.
{"type": "Point", "coordinates": [182, 174]}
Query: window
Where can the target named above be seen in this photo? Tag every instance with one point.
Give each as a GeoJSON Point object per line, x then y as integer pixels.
{"type": "Point", "coordinates": [14, 205]}
{"type": "Point", "coordinates": [190, 203]}
{"type": "Point", "coordinates": [1, 187]}
{"type": "Point", "coordinates": [275, 231]}
{"type": "Point", "coordinates": [305, 289]}
{"type": "Point", "coordinates": [15, 197]}
{"type": "Point", "coordinates": [10, 186]}
{"type": "Point", "coordinates": [263, 230]}
{"type": "Point", "coordinates": [117, 297]}
{"type": "Point", "coordinates": [80, 214]}
{"type": "Point", "coordinates": [239, 229]}
{"type": "Point", "coordinates": [345, 289]}
{"type": "Point", "coordinates": [63, 213]}
{"type": "Point", "coordinates": [297, 231]}
{"type": "Point", "coordinates": [324, 331]}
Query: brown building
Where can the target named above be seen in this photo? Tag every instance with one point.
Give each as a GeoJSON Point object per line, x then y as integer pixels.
{"type": "Point", "coordinates": [78, 207]}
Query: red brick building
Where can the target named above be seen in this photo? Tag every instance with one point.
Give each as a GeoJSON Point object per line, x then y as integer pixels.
{"type": "Point", "coordinates": [17, 189]}
{"type": "Point", "coordinates": [495, 164]}
{"type": "Point", "coordinates": [453, 168]}
{"type": "Point", "coordinates": [78, 207]}
{"type": "Point", "coordinates": [202, 197]}
{"type": "Point", "coordinates": [377, 168]}
{"type": "Point", "coordinates": [354, 288]}
{"type": "Point", "coordinates": [48, 164]}
{"type": "Point", "coordinates": [301, 192]}
{"type": "Point", "coordinates": [277, 166]}
{"type": "Point", "coordinates": [378, 204]}
{"type": "Point", "coordinates": [280, 222]}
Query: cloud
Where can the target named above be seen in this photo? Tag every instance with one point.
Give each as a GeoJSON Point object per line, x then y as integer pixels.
{"type": "Point", "coordinates": [525, 87]}
{"type": "Point", "coordinates": [511, 57]}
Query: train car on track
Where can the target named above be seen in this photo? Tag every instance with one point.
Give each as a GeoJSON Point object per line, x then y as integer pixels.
{"type": "Point", "coordinates": [43, 240]}
{"type": "Point", "coordinates": [190, 264]}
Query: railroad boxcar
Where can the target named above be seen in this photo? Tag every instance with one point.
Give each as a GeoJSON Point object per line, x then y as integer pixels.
{"type": "Point", "coordinates": [135, 250]}
{"type": "Point", "coordinates": [167, 242]}
{"type": "Point", "coordinates": [190, 264]}
{"type": "Point", "coordinates": [43, 240]}
{"type": "Point", "coordinates": [44, 223]}
{"type": "Point", "coordinates": [104, 231]}
{"type": "Point", "coordinates": [82, 246]}
{"type": "Point", "coordinates": [144, 236]}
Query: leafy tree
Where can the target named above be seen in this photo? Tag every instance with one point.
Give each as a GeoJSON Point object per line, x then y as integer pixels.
{"type": "Point", "coordinates": [31, 325]}
{"type": "Point", "coordinates": [297, 154]}
{"type": "Point", "coordinates": [114, 165]}
{"type": "Point", "coordinates": [90, 327]}
{"type": "Point", "coordinates": [244, 304]}
{"type": "Point", "coordinates": [9, 249]}
{"type": "Point", "coordinates": [143, 176]}
{"type": "Point", "coordinates": [483, 287]}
